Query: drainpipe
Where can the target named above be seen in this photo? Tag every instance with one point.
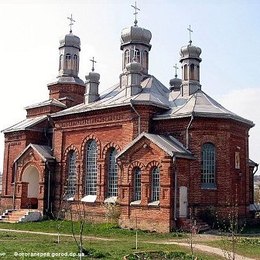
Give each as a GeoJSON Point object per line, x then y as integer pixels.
{"type": "Point", "coordinates": [187, 131]}
{"type": "Point", "coordinates": [49, 187]}
{"type": "Point", "coordinates": [138, 115]}
{"type": "Point", "coordinates": [15, 173]}
{"type": "Point", "coordinates": [175, 188]}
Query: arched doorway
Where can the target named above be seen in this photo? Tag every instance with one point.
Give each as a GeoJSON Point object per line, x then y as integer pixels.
{"type": "Point", "coordinates": [30, 188]}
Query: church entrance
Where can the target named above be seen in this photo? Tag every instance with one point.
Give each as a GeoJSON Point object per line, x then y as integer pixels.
{"type": "Point", "coordinates": [183, 202]}
{"type": "Point", "coordinates": [30, 188]}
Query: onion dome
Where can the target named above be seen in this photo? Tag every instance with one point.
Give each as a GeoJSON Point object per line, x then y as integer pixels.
{"type": "Point", "coordinates": [134, 67]}
{"type": "Point", "coordinates": [135, 35]}
{"type": "Point", "coordinates": [70, 40]}
{"type": "Point", "coordinates": [190, 52]}
{"type": "Point", "coordinates": [175, 84]}
{"type": "Point", "coordinates": [93, 77]}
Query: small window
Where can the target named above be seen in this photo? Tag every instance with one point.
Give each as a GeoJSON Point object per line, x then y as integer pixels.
{"type": "Point", "coordinates": [71, 181]}
{"type": "Point", "coordinates": [127, 57]}
{"type": "Point", "coordinates": [208, 166]}
{"type": "Point", "coordinates": [60, 61]}
{"type": "Point", "coordinates": [137, 184]}
{"type": "Point", "coordinates": [192, 72]}
{"type": "Point", "coordinates": [145, 59]}
{"type": "Point", "coordinates": [155, 189]}
{"type": "Point", "coordinates": [112, 173]}
{"type": "Point", "coordinates": [185, 72]}
{"type": "Point", "coordinates": [75, 58]}
{"type": "Point", "coordinates": [137, 55]}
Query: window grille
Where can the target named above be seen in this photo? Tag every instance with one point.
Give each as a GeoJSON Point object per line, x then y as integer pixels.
{"type": "Point", "coordinates": [137, 184]}
{"type": "Point", "coordinates": [112, 173]}
{"type": "Point", "coordinates": [155, 196]}
{"type": "Point", "coordinates": [71, 184]}
{"type": "Point", "coordinates": [208, 166]}
{"type": "Point", "coordinates": [91, 168]}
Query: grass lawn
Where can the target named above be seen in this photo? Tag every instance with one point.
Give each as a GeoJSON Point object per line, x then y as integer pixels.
{"type": "Point", "coordinates": [27, 246]}
{"type": "Point", "coordinates": [249, 247]}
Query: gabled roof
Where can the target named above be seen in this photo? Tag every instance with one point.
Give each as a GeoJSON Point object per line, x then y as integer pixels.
{"type": "Point", "coordinates": [198, 104]}
{"type": "Point", "coordinates": [26, 124]}
{"type": "Point", "coordinates": [167, 143]}
{"type": "Point", "coordinates": [49, 102]}
{"type": "Point", "coordinates": [42, 150]}
{"type": "Point", "coordinates": [153, 93]}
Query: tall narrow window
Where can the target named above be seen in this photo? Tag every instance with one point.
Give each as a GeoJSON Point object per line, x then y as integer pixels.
{"type": "Point", "coordinates": [137, 55]}
{"type": "Point", "coordinates": [208, 166]}
{"type": "Point", "coordinates": [192, 72]}
{"type": "Point", "coordinates": [112, 174]}
{"type": "Point", "coordinates": [155, 189]}
{"type": "Point", "coordinates": [60, 61]}
{"type": "Point", "coordinates": [185, 72]}
{"type": "Point", "coordinates": [75, 58]}
{"type": "Point", "coordinates": [145, 60]}
{"type": "Point", "coordinates": [68, 61]}
{"type": "Point", "coordinates": [91, 168]}
{"type": "Point", "coordinates": [137, 184]}
{"type": "Point", "coordinates": [127, 57]}
{"type": "Point", "coordinates": [71, 181]}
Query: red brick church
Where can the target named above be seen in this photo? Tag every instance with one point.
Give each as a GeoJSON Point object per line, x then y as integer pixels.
{"type": "Point", "coordinates": [158, 152]}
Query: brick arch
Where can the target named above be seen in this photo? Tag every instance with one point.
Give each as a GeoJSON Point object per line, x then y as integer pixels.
{"type": "Point", "coordinates": [68, 149]}
{"type": "Point", "coordinates": [108, 146]}
{"type": "Point", "coordinates": [152, 165]}
{"type": "Point", "coordinates": [135, 164]}
{"type": "Point", "coordinates": [28, 164]}
{"type": "Point", "coordinates": [86, 139]}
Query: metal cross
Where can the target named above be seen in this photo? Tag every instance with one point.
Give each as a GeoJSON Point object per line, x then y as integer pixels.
{"type": "Point", "coordinates": [135, 13]}
{"type": "Point", "coordinates": [190, 31]}
{"type": "Point", "coordinates": [93, 63]}
{"type": "Point", "coordinates": [176, 68]}
{"type": "Point", "coordinates": [71, 22]}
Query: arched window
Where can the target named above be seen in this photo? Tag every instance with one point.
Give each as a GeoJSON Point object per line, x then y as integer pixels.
{"type": "Point", "coordinates": [185, 72]}
{"type": "Point", "coordinates": [145, 59]}
{"type": "Point", "coordinates": [155, 188]}
{"type": "Point", "coordinates": [91, 168]}
{"type": "Point", "coordinates": [75, 58]}
{"type": "Point", "coordinates": [208, 166]}
{"type": "Point", "coordinates": [137, 55]}
{"type": "Point", "coordinates": [112, 173]}
{"type": "Point", "coordinates": [192, 72]}
{"type": "Point", "coordinates": [127, 57]}
{"type": "Point", "coordinates": [60, 61]}
{"type": "Point", "coordinates": [137, 184]}
{"type": "Point", "coordinates": [68, 61]}
{"type": "Point", "coordinates": [71, 181]}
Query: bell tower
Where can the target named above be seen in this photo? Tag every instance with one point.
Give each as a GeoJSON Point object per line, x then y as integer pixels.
{"type": "Point", "coordinates": [190, 63]}
{"type": "Point", "coordinates": [68, 88]}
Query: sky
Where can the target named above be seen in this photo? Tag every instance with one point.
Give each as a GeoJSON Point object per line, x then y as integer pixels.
{"type": "Point", "coordinates": [227, 31]}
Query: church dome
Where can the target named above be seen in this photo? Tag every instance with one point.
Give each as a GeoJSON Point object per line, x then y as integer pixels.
{"type": "Point", "coordinates": [137, 35]}
{"type": "Point", "coordinates": [92, 77]}
{"type": "Point", "coordinates": [70, 40]}
{"type": "Point", "coordinates": [190, 52]}
{"type": "Point", "coordinates": [134, 66]}
{"type": "Point", "coordinates": [175, 84]}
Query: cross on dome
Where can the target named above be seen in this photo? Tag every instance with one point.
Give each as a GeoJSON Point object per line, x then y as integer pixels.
{"type": "Point", "coordinates": [135, 13]}
{"type": "Point", "coordinates": [93, 63]}
{"type": "Point", "coordinates": [176, 69]}
{"type": "Point", "coordinates": [190, 31]}
{"type": "Point", "coordinates": [71, 22]}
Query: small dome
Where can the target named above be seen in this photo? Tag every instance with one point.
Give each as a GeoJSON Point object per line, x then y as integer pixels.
{"type": "Point", "coordinates": [70, 40]}
{"type": "Point", "coordinates": [175, 84]}
{"type": "Point", "coordinates": [135, 34]}
{"type": "Point", "coordinates": [133, 66]}
{"type": "Point", "coordinates": [190, 52]}
{"type": "Point", "coordinates": [93, 77]}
